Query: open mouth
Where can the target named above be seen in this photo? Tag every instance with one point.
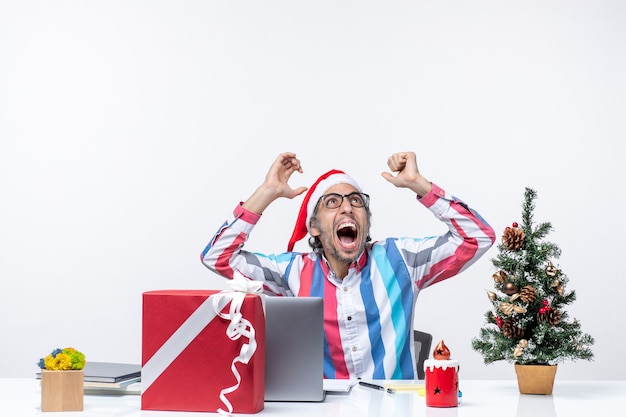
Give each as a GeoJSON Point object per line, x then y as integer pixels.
{"type": "Point", "coordinates": [347, 235]}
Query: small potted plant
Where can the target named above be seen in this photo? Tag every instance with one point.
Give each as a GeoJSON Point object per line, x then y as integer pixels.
{"type": "Point", "coordinates": [528, 324]}
{"type": "Point", "coordinates": [62, 380]}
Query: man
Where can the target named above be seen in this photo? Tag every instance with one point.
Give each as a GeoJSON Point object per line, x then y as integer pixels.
{"type": "Point", "coordinates": [369, 289]}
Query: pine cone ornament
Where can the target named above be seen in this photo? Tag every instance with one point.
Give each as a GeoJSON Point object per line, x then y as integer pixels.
{"type": "Point", "coordinates": [513, 238]}
{"type": "Point", "coordinates": [528, 294]}
{"type": "Point", "coordinates": [510, 330]}
{"type": "Point", "coordinates": [551, 316]}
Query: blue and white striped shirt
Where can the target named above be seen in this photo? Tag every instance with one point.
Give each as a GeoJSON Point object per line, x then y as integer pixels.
{"type": "Point", "coordinates": [368, 315]}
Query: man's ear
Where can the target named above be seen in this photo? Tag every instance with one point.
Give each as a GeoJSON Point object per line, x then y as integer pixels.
{"type": "Point", "coordinates": [315, 232]}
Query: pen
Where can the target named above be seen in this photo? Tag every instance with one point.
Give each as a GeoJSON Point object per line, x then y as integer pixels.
{"type": "Point", "coordinates": [377, 387]}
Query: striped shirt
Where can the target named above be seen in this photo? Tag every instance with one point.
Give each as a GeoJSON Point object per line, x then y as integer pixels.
{"type": "Point", "coordinates": [368, 315]}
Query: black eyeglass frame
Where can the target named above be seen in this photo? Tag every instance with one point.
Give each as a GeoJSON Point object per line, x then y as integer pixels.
{"type": "Point", "coordinates": [364, 197]}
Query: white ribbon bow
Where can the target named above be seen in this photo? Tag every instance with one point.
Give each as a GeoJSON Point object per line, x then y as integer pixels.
{"type": "Point", "coordinates": [242, 284]}
{"type": "Point", "coordinates": [238, 327]}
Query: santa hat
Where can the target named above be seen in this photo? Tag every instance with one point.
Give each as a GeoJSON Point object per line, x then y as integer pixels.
{"type": "Point", "coordinates": [317, 190]}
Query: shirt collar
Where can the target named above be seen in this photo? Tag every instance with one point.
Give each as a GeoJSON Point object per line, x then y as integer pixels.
{"type": "Point", "coordinates": [359, 264]}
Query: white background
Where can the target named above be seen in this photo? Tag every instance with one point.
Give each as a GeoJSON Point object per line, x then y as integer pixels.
{"type": "Point", "coordinates": [130, 129]}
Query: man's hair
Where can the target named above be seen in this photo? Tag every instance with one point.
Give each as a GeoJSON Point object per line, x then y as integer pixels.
{"type": "Point", "coordinates": [316, 244]}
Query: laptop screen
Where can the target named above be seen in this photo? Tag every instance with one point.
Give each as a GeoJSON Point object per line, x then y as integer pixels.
{"type": "Point", "coordinates": [294, 348]}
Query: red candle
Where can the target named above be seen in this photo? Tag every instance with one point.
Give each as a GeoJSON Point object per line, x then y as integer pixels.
{"type": "Point", "coordinates": [441, 379]}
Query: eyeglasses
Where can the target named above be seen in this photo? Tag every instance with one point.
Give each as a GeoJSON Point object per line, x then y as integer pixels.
{"type": "Point", "coordinates": [334, 200]}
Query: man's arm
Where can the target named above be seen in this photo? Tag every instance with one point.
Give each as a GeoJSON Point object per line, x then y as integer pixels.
{"type": "Point", "coordinates": [224, 254]}
{"type": "Point", "coordinates": [469, 235]}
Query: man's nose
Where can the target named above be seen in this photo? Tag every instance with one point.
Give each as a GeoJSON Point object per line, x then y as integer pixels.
{"type": "Point", "coordinates": [345, 204]}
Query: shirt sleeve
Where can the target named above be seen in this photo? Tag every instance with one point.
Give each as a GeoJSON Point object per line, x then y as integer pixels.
{"type": "Point", "coordinates": [224, 254]}
{"type": "Point", "coordinates": [437, 258]}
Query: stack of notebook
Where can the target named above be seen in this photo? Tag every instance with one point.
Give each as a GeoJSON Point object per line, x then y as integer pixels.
{"type": "Point", "coordinates": [112, 377]}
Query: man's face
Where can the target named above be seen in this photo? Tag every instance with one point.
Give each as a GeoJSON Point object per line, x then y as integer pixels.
{"type": "Point", "coordinates": [343, 230]}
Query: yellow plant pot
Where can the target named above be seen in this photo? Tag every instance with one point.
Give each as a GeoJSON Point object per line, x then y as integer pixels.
{"type": "Point", "coordinates": [535, 379]}
{"type": "Point", "coordinates": [62, 390]}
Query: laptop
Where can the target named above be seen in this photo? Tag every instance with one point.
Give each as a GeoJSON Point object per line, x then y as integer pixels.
{"type": "Point", "coordinates": [294, 349]}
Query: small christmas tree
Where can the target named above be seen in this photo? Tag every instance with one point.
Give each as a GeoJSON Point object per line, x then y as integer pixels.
{"type": "Point", "coordinates": [528, 323]}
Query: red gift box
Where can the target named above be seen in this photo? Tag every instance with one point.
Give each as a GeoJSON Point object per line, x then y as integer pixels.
{"type": "Point", "coordinates": [189, 363]}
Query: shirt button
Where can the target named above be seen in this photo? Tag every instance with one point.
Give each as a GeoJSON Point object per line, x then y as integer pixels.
{"type": "Point", "coordinates": [354, 348]}
{"type": "Point", "coordinates": [345, 289]}
{"type": "Point", "coordinates": [349, 318]}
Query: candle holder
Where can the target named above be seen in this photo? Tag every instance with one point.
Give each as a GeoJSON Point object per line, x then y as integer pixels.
{"type": "Point", "coordinates": [441, 377]}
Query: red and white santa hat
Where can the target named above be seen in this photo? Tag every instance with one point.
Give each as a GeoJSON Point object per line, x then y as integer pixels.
{"type": "Point", "coordinates": [317, 190]}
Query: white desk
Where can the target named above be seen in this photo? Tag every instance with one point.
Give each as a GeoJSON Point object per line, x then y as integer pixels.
{"type": "Point", "coordinates": [21, 397]}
